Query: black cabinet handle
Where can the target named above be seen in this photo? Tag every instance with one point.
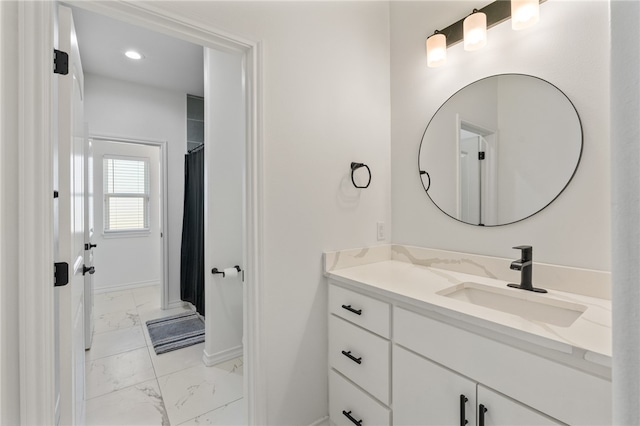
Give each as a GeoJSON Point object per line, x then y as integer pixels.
{"type": "Point", "coordinates": [88, 246]}
{"type": "Point", "coordinates": [91, 270]}
{"type": "Point", "coordinates": [350, 309]}
{"type": "Point", "coordinates": [481, 410]}
{"type": "Point", "coordinates": [463, 416]}
{"type": "Point", "coordinates": [352, 358]}
{"type": "Point", "coordinates": [350, 417]}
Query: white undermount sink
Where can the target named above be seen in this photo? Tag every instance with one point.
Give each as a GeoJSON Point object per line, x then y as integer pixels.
{"type": "Point", "coordinates": [522, 303]}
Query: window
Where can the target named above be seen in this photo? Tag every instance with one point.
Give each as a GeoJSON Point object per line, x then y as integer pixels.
{"type": "Point", "coordinates": [126, 194]}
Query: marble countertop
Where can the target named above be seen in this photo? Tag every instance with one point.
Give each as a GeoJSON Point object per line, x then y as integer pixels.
{"type": "Point", "coordinates": [589, 337]}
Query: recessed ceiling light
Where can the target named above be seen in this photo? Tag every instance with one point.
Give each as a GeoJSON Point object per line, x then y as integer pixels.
{"type": "Point", "coordinates": [132, 54]}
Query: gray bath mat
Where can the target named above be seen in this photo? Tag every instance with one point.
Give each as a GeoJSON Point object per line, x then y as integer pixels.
{"type": "Point", "coordinates": [175, 332]}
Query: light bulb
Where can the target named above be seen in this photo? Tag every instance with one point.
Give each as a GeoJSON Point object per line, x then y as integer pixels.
{"type": "Point", "coordinates": [475, 31]}
{"type": "Point", "coordinates": [524, 13]}
{"type": "Point", "coordinates": [132, 54]}
{"type": "Point", "coordinates": [436, 50]}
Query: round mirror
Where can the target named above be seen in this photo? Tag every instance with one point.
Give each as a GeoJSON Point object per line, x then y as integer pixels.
{"type": "Point", "coordinates": [500, 150]}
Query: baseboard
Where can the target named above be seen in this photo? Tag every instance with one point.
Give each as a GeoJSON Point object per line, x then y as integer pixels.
{"type": "Point", "coordinates": [181, 304]}
{"type": "Point", "coordinates": [127, 286]}
{"type": "Point", "coordinates": [217, 358]}
{"type": "Point", "coordinates": [321, 422]}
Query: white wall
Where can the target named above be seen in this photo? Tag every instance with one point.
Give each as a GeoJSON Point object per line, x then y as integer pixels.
{"type": "Point", "coordinates": [569, 48]}
{"type": "Point", "coordinates": [224, 180]}
{"type": "Point", "coordinates": [625, 138]}
{"type": "Point", "coordinates": [126, 259]}
{"type": "Point", "coordinates": [9, 199]}
{"type": "Point", "coordinates": [325, 103]}
{"type": "Point", "coordinates": [119, 109]}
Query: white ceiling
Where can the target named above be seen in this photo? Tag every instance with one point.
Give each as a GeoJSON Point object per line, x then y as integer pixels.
{"type": "Point", "coordinates": [168, 62]}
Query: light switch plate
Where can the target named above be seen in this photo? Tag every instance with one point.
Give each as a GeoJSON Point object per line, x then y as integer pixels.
{"type": "Point", "coordinates": [380, 231]}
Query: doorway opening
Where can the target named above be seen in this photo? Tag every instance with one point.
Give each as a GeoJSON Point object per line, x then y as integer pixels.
{"type": "Point", "coordinates": [37, 310]}
{"type": "Point", "coordinates": [130, 213]}
{"type": "Point", "coordinates": [161, 364]}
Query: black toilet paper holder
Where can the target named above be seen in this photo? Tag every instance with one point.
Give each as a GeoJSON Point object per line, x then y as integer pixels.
{"type": "Point", "coordinates": [216, 271]}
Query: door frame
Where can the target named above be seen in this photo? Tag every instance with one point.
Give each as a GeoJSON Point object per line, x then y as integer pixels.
{"type": "Point", "coordinates": [34, 245]}
{"type": "Point", "coordinates": [164, 185]}
{"type": "Point", "coordinates": [488, 205]}
{"type": "Point", "coordinates": [36, 125]}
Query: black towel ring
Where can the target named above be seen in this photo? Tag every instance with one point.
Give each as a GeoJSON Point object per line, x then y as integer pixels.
{"type": "Point", "coordinates": [422, 172]}
{"type": "Point", "coordinates": [356, 166]}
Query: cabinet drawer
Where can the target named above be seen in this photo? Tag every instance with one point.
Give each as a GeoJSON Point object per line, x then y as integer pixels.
{"type": "Point", "coordinates": [361, 356]}
{"type": "Point", "coordinates": [363, 310]}
{"type": "Point", "coordinates": [344, 397]}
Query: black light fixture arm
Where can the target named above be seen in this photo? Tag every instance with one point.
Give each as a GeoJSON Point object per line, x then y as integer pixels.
{"type": "Point", "coordinates": [496, 12]}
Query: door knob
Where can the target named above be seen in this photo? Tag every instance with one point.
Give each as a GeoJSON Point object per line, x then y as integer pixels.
{"type": "Point", "coordinates": [91, 270]}
{"type": "Point", "coordinates": [89, 246]}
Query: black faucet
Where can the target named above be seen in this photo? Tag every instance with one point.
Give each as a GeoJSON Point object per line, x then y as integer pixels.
{"type": "Point", "coordinates": [525, 266]}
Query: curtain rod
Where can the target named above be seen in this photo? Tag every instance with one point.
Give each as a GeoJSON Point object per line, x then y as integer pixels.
{"type": "Point", "coordinates": [197, 148]}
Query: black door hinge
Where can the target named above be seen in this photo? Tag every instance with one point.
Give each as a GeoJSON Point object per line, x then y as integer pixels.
{"type": "Point", "coordinates": [60, 274]}
{"type": "Point", "coordinates": [481, 155]}
{"type": "Point", "coordinates": [60, 62]}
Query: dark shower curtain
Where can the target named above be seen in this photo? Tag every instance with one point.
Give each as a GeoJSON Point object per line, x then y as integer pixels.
{"type": "Point", "coordinates": [192, 253]}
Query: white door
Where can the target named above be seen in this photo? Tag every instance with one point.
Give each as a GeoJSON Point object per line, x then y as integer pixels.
{"type": "Point", "coordinates": [425, 393]}
{"type": "Point", "coordinates": [469, 179]}
{"type": "Point", "coordinates": [71, 139]}
{"type": "Point", "coordinates": [224, 149]}
{"type": "Point", "coordinates": [88, 242]}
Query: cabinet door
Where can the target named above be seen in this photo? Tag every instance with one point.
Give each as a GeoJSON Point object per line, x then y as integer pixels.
{"type": "Point", "coordinates": [504, 411]}
{"type": "Point", "coordinates": [425, 393]}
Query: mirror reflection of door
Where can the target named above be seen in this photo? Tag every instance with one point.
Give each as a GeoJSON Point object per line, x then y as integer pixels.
{"type": "Point", "coordinates": [470, 178]}
{"type": "Point", "coordinates": [477, 174]}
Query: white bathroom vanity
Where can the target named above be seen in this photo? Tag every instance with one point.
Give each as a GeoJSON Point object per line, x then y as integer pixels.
{"type": "Point", "coordinates": [428, 337]}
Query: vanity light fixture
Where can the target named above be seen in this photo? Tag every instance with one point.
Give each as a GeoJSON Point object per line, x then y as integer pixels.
{"type": "Point", "coordinates": [436, 50]}
{"type": "Point", "coordinates": [475, 31]}
{"type": "Point", "coordinates": [132, 54]}
{"type": "Point", "coordinates": [473, 28]}
{"type": "Point", "coordinates": [524, 13]}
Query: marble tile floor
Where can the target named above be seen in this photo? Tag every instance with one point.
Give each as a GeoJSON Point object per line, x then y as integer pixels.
{"type": "Point", "coordinates": [128, 384]}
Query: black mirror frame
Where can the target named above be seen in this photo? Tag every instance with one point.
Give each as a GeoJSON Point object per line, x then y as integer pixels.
{"type": "Point", "coordinates": [425, 172]}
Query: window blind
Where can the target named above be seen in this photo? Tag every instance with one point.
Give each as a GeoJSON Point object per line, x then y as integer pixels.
{"type": "Point", "coordinates": [126, 194]}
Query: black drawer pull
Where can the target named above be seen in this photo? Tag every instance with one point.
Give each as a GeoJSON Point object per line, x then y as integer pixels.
{"type": "Point", "coordinates": [350, 417]}
{"type": "Point", "coordinates": [481, 410]}
{"type": "Point", "coordinates": [463, 416]}
{"type": "Point", "coordinates": [350, 309]}
{"type": "Point", "coordinates": [352, 358]}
